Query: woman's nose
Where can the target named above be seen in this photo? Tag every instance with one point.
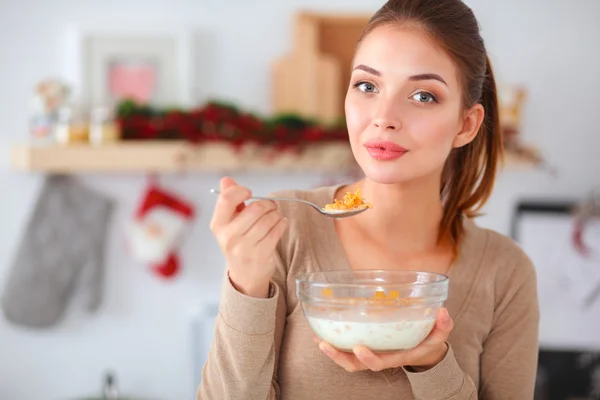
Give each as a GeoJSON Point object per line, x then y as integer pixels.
{"type": "Point", "coordinates": [387, 125]}
{"type": "Point", "coordinates": [387, 117]}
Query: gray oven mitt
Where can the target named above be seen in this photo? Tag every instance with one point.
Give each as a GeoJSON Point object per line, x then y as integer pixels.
{"type": "Point", "coordinates": [63, 245]}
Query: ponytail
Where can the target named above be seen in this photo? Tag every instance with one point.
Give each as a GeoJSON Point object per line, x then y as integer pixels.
{"type": "Point", "coordinates": [470, 171]}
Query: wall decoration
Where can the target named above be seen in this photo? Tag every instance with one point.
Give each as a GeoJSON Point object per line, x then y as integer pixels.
{"type": "Point", "coordinates": [223, 122]}
{"type": "Point", "coordinates": [157, 229]}
{"type": "Point", "coordinates": [569, 296]}
{"type": "Point", "coordinates": [511, 100]}
{"type": "Point", "coordinates": [569, 282]}
{"type": "Point", "coordinates": [152, 65]}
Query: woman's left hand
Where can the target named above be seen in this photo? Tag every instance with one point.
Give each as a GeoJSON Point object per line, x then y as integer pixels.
{"type": "Point", "coordinates": [426, 355]}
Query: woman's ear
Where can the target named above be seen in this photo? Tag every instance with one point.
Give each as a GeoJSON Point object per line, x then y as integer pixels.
{"type": "Point", "coordinates": [471, 123]}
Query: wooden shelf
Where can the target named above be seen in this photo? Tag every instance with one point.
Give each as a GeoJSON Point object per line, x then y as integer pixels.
{"type": "Point", "coordinates": [175, 156]}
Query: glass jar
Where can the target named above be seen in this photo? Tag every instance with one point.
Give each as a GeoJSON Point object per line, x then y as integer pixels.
{"type": "Point", "coordinates": [71, 127]}
{"type": "Point", "coordinates": [103, 127]}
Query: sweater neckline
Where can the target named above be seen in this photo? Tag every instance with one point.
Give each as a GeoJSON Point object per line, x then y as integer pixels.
{"type": "Point", "coordinates": [333, 256]}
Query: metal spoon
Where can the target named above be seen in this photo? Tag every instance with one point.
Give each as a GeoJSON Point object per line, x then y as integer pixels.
{"type": "Point", "coordinates": [337, 214]}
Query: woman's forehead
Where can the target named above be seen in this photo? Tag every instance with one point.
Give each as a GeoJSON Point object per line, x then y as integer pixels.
{"type": "Point", "coordinates": [404, 51]}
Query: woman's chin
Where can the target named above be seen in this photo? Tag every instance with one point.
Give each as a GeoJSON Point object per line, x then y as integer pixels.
{"type": "Point", "coordinates": [385, 175]}
{"type": "Point", "coordinates": [397, 172]}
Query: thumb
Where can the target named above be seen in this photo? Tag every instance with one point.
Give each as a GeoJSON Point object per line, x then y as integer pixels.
{"type": "Point", "coordinates": [227, 182]}
{"type": "Point", "coordinates": [442, 328]}
{"type": "Point", "coordinates": [444, 322]}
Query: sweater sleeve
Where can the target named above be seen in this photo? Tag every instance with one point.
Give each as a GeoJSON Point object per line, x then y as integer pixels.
{"type": "Point", "coordinates": [244, 355]}
{"type": "Point", "coordinates": [445, 381]}
{"type": "Point", "coordinates": [510, 352]}
{"type": "Point", "coordinates": [509, 360]}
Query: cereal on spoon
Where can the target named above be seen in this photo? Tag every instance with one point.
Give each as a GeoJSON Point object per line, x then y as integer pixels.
{"type": "Point", "coordinates": [351, 201]}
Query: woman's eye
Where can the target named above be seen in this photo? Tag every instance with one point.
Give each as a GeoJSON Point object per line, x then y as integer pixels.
{"type": "Point", "coordinates": [424, 97]}
{"type": "Point", "coordinates": [366, 87]}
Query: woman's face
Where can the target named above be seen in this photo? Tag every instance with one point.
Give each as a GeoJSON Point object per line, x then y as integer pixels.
{"type": "Point", "coordinates": [403, 106]}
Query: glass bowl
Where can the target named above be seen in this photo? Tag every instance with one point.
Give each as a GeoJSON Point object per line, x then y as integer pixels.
{"type": "Point", "coordinates": [384, 310]}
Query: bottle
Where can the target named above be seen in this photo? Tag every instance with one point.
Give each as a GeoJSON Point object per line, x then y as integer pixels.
{"type": "Point", "coordinates": [109, 390]}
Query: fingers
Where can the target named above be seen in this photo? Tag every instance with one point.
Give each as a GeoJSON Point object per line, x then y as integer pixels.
{"type": "Point", "coordinates": [240, 228]}
{"type": "Point", "coordinates": [272, 237]}
{"type": "Point", "coordinates": [231, 197]}
{"type": "Point", "coordinates": [348, 361]}
{"type": "Point", "coordinates": [434, 347]}
{"type": "Point", "coordinates": [227, 182]}
{"type": "Point", "coordinates": [441, 330]}
{"type": "Point", "coordinates": [378, 362]}
{"type": "Point", "coordinates": [253, 216]}
{"type": "Point", "coordinates": [362, 358]}
{"type": "Point", "coordinates": [259, 221]}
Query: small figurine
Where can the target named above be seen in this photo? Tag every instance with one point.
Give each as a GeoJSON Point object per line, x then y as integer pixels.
{"type": "Point", "coordinates": [49, 96]}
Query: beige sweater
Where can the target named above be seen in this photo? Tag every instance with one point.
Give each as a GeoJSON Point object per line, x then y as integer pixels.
{"type": "Point", "coordinates": [263, 348]}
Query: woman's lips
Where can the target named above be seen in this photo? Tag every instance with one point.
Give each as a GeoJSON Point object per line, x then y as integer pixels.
{"type": "Point", "coordinates": [385, 150]}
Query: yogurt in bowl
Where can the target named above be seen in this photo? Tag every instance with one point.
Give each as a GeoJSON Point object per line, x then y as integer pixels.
{"type": "Point", "coordinates": [384, 310]}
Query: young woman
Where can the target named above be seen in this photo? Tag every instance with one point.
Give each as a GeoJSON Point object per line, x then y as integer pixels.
{"type": "Point", "coordinates": [422, 118]}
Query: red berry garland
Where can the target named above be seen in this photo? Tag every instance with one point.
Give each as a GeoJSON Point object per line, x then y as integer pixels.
{"type": "Point", "coordinates": [223, 123]}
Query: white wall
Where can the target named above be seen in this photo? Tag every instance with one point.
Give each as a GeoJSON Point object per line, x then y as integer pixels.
{"type": "Point", "coordinates": [143, 330]}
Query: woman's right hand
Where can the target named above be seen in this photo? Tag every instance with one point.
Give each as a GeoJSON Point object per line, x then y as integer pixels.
{"type": "Point", "coordinates": [248, 236]}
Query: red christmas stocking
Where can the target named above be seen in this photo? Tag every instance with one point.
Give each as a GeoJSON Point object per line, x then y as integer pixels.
{"type": "Point", "coordinates": [157, 229]}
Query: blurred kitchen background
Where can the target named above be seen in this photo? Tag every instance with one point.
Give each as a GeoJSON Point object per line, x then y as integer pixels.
{"type": "Point", "coordinates": [119, 116]}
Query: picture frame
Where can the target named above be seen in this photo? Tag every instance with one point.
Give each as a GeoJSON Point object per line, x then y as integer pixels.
{"type": "Point", "coordinates": [569, 298]}
{"type": "Point", "coordinates": [149, 63]}
{"type": "Point", "coordinates": [568, 281]}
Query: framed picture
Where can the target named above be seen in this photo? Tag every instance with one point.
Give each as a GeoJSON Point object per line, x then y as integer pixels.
{"type": "Point", "coordinates": [151, 65]}
{"type": "Point", "coordinates": [569, 297]}
{"type": "Point", "coordinates": [568, 281]}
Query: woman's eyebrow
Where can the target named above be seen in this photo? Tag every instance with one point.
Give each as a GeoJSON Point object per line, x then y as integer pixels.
{"type": "Point", "coordinates": [427, 77]}
{"type": "Point", "coordinates": [368, 69]}
{"type": "Point", "coordinates": [419, 77]}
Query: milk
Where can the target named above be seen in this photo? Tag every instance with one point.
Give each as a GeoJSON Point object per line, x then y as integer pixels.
{"type": "Point", "coordinates": [377, 336]}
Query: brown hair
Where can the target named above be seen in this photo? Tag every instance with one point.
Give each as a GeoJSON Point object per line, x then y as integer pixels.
{"type": "Point", "coordinates": [469, 173]}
